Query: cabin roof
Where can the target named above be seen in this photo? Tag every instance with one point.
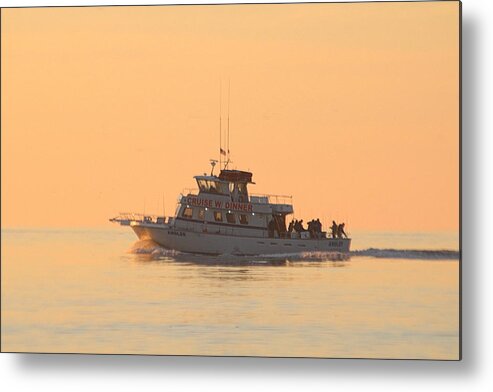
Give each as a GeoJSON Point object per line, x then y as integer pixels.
{"type": "Point", "coordinates": [209, 178]}
{"type": "Point", "coordinates": [235, 176]}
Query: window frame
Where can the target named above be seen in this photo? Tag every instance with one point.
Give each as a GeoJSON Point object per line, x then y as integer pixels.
{"type": "Point", "coordinates": [218, 214]}
{"type": "Point", "coordinates": [245, 218]}
{"type": "Point", "coordinates": [185, 210]}
{"type": "Point", "coordinates": [231, 217]}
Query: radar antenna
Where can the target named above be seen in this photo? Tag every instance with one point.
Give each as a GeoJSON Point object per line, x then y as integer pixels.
{"type": "Point", "coordinates": [213, 164]}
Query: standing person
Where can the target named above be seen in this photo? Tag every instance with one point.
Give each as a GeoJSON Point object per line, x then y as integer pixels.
{"type": "Point", "coordinates": [318, 227]}
{"type": "Point", "coordinates": [301, 225]}
{"type": "Point", "coordinates": [282, 227]}
{"type": "Point", "coordinates": [297, 226]}
{"type": "Point", "coordinates": [334, 229]}
{"type": "Point", "coordinates": [291, 227]}
{"type": "Point", "coordinates": [340, 231]}
{"type": "Point", "coordinates": [311, 228]}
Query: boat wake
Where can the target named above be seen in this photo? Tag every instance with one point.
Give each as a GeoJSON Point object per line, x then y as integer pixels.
{"type": "Point", "coordinates": [304, 256]}
{"type": "Point", "coordinates": [153, 251]}
{"type": "Point", "coordinates": [408, 254]}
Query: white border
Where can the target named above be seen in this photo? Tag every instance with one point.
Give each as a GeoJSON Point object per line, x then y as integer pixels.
{"type": "Point", "coordinates": [86, 373]}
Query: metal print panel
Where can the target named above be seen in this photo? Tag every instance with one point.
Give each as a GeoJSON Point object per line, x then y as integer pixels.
{"type": "Point", "coordinates": [275, 180]}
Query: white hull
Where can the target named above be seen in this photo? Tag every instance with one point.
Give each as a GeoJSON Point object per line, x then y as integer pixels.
{"type": "Point", "coordinates": [181, 240]}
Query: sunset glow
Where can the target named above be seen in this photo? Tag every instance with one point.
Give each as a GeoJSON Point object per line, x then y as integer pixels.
{"type": "Point", "coordinates": [351, 108]}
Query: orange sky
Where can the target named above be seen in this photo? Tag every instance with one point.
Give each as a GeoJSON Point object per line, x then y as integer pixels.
{"type": "Point", "coordinates": [351, 108]}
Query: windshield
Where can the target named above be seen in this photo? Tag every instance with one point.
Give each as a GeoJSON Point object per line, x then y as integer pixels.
{"type": "Point", "coordinates": [211, 186]}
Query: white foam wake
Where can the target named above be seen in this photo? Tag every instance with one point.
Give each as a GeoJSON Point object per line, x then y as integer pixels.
{"type": "Point", "coordinates": [153, 250]}
{"type": "Point", "coordinates": [422, 254]}
{"type": "Point", "coordinates": [306, 256]}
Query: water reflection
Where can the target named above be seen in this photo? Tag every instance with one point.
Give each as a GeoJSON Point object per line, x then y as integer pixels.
{"type": "Point", "coordinates": [82, 292]}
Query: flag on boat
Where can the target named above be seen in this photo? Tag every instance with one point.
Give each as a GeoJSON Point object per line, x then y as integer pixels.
{"type": "Point", "coordinates": [223, 152]}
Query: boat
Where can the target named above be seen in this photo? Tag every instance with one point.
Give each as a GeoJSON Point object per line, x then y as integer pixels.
{"type": "Point", "coordinates": [222, 217]}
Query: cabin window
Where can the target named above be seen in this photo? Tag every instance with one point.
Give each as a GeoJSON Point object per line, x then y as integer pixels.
{"type": "Point", "coordinates": [201, 214]}
{"type": "Point", "coordinates": [218, 216]}
{"type": "Point", "coordinates": [238, 191]}
{"type": "Point", "coordinates": [203, 185]}
{"type": "Point", "coordinates": [187, 213]}
{"type": "Point", "coordinates": [222, 188]}
{"type": "Point", "coordinates": [243, 219]}
{"type": "Point", "coordinates": [211, 186]}
{"type": "Point", "coordinates": [242, 189]}
{"type": "Point", "coordinates": [230, 217]}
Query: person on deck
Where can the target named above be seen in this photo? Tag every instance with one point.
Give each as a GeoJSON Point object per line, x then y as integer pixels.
{"type": "Point", "coordinates": [318, 228]}
{"type": "Point", "coordinates": [340, 231]}
{"type": "Point", "coordinates": [311, 228]}
{"type": "Point", "coordinates": [297, 226]}
{"type": "Point", "coordinates": [334, 229]}
{"type": "Point", "coordinates": [291, 227]}
{"type": "Point", "coordinates": [282, 227]}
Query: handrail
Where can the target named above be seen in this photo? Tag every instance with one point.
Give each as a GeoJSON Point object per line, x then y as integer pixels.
{"type": "Point", "coordinates": [275, 199]}
{"type": "Point", "coordinates": [271, 198]}
{"type": "Point", "coordinates": [139, 217]}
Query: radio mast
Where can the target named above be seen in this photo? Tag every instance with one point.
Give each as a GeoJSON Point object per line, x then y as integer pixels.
{"type": "Point", "coordinates": [229, 91]}
{"type": "Point", "coordinates": [220, 125]}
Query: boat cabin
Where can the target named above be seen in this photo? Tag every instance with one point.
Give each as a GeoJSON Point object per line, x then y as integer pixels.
{"type": "Point", "coordinates": [230, 183]}
{"type": "Point", "coordinates": [224, 205]}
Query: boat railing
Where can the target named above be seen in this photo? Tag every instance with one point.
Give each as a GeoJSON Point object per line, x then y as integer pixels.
{"type": "Point", "coordinates": [190, 191]}
{"type": "Point", "coordinates": [256, 198]}
{"type": "Point", "coordinates": [129, 217]}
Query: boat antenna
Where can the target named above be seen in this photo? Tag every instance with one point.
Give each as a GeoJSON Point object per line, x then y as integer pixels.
{"type": "Point", "coordinates": [229, 93]}
{"type": "Point", "coordinates": [220, 124]}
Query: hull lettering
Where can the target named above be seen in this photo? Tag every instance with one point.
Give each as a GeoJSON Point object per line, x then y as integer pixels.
{"type": "Point", "coordinates": [178, 233]}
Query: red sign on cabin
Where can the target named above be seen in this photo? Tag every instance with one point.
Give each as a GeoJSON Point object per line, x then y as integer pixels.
{"type": "Point", "coordinates": [229, 205]}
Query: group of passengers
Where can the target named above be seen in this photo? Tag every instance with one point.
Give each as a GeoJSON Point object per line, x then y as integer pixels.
{"type": "Point", "coordinates": [278, 227]}
{"type": "Point", "coordinates": [314, 227]}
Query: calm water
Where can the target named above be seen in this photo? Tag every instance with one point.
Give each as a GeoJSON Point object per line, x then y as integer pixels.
{"type": "Point", "coordinates": [100, 291]}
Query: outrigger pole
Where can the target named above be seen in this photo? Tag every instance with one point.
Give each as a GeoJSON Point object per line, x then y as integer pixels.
{"type": "Point", "coordinates": [226, 137]}
{"type": "Point", "coordinates": [220, 125]}
{"type": "Point", "coordinates": [229, 90]}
